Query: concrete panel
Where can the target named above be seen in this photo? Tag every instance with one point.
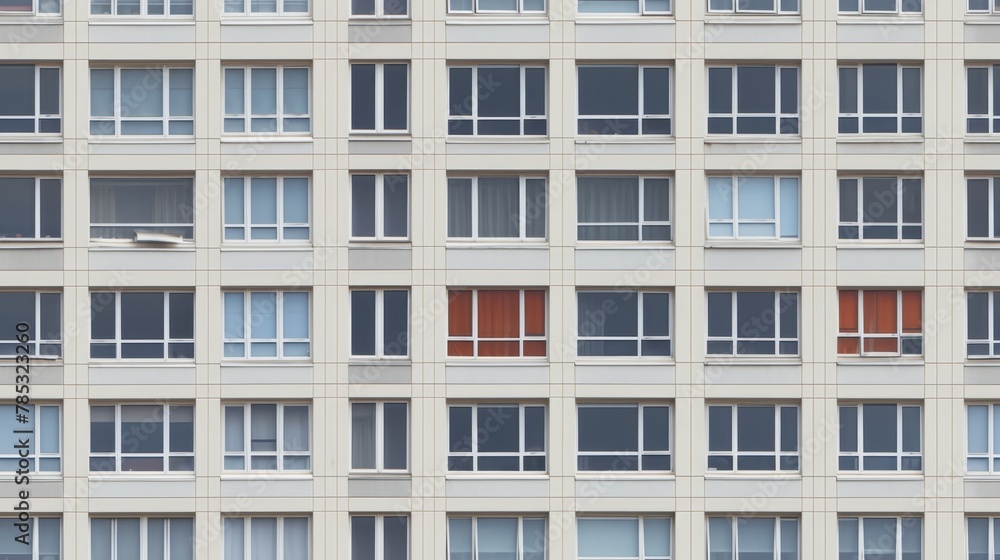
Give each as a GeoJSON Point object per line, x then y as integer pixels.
{"type": "Point", "coordinates": [109, 486]}
{"type": "Point", "coordinates": [982, 488]}
{"type": "Point", "coordinates": [604, 32]}
{"type": "Point", "coordinates": [37, 487]}
{"type": "Point", "coordinates": [717, 258]}
{"type": "Point", "coordinates": [267, 487]}
{"type": "Point", "coordinates": [270, 32]}
{"type": "Point", "coordinates": [43, 372]}
{"type": "Point", "coordinates": [982, 33]}
{"type": "Point", "coordinates": [142, 259]}
{"type": "Point", "coordinates": [31, 31]}
{"type": "Point", "coordinates": [771, 487]}
{"type": "Point", "coordinates": [379, 373]}
{"type": "Point", "coordinates": [377, 258]}
{"type": "Point", "coordinates": [880, 258]}
{"type": "Point", "coordinates": [881, 374]}
{"type": "Point", "coordinates": [183, 375]}
{"type": "Point", "coordinates": [28, 258]}
{"type": "Point", "coordinates": [880, 33]}
{"type": "Point", "coordinates": [116, 148]}
{"type": "Point", "coordinates": [617, 374]}
{"type": "Point", "coordinates": [880, 488]}
{"type": "Point", "coordinates": [259, 375]}
{"type": "Point", "coordinates": [625, 258]}
{"type": "Point", "coordinates": [980, 375]}
{"type": "Point", "coordinates": [483, 32]}
{"type": "Point", "coordinates": [756, 374]}
{"type": "Point", "coordinates": [284, 259]}
{"type": "Point", "coordinates": [490, 488]}
{"type": "Point", "coordinates": [378, 487]}
{"type": "Point", "coordinates": [983, 260]}
{"type": "Point", "coordinates": [373, 146]}
{"type": "Point", "coordinates": [618, 486]}
{"type": "Point", "coordinates": [755, 33]}
{"type": "Point", "coordinates": [486, 147]}
{"type": "Point", "coordinates": [177, 33]}
{"type": "Point", "coordinates": [500, 375]}
{"type": "Point", "coordinates": [387, 32]}
{"type": "Point", "coordinates": [492, 258]}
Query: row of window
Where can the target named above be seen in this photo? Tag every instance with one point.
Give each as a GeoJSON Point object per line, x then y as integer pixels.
{"type": "Point", "coordinates": [487, 323]}
{"type": "Point", "coordinates": [486, 100]}
{"type": "Point", "coordinates": [500, 208]}
{"type": "Point", "coordinates": [495, 437]}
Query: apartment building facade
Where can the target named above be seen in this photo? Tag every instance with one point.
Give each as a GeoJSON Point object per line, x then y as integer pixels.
{"type": "Point", "coordinates": [500, 279]}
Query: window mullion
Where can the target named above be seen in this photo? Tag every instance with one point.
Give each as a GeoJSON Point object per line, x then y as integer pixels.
{"type": "Point", "coordinates": [639, 330]}
{"type": "Point", "coordinates": [642, 204]}
{"type": "Point", "coordinates": [247, 101]}
{"type": "Point", "coordinates": [475, 207]}
{"type": "Point", "coordinates": [520, 438]}
{"type": "Point", "coordinates": [641, 105]}
{"type": "Point", "coordinates": [379, 98]}
{"type": "Point", "coordinates": [279, 206]}
{"type": "Point", "coordinates": [522, 71]}
{"type": "Point", "coordinates": [522, 207]}
{"type": "Point", "coordinates": [475, 322]}
{"type": "Point", "coordinates": [899, 437]}
{"type": "Point", "coordinates": [166, 438]}
{"type": "Point", "coordinates": [640, 446]}
{"type": "Point", "coordinates": [735, 440]}
{"type": "Point", "coordinates": [379, 436]}
{"type": "Point", "coordinates": [379, 323]}
{"type": "Point", "coordinates": [379, 204]}
{"type": "Point", "coordinates": [279, 86]}
{"type": "Point", "coordinates": [247, 436]}
{"type": "Point", "coordinates": [279, 428]}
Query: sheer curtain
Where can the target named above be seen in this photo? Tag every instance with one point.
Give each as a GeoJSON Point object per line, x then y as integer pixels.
{"type": "Point", "coordinates": [608, 538]}
{"type": "Point", "coordinates": [295, 323]}
{"type": "Point", "coordinates": [755, 538]}
{"type": "Point", "coordinates": [49, 538]}
{"type": "Point", "coordinates": [264, 538]}
{"type": "Point", "coordinates": [460, 539]}
{"type": "Point", "coordinates": [232, 534]}
{"type": "Point", "coordinates": [395, 537]}
{"type": "Point", "coordinates": [979, 538]}
{"type": "Point", "coordinates": [459, 207]}
{"type": "Point", "coordinates": [264, 435]}
{"type": "Point", "coordinates": [756, 202]}
{"type": "Point", "coordinates": [608, 199]}
{"type": "Point", "coordinates": [720, 538]}
{"type": "Point", "coordinates": [100, 538]}
{"type": "Point", "coordinates": [499, 201]}
{"type": "Point", "coordinates": [181, 539]}
{"type": "Point", "coordinates": [363, 435]}
{"type": "Point", "coordinates": [102, 209]}
{"type": "Point", "coordinates": [496, 538]}
{"type": "Point", "coordinates": [296, 428]}
{"type": "Point", "coordinates": [296, 538]}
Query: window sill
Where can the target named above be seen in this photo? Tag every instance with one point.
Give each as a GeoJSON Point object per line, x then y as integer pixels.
{"type": "Point", "coordinates": [982, 19]}
{"type": "Point", "coordinates": [625, 361]}
{"type": "Point", "coordinates": [398, 21]}
{"type": "Point", "coordinates": [492, 362]}
{"type": "Point", "coordinates": [32, 19]}
{"type": "Point", "coordinates": [277, 247]}
{"type": "Point", "coordinates": [982, 244]}
{"type": "Point", "coordinates": [624, 246]}
{"type": "Point", "coordinates": [881, 244]}
{"type": "Point", "coordinates": [113, 21]}
{"type": "Point", "coordinates": [269, 475]}
{"type": "Point", "coordinates": [484, 476]}
{"type": "Point", "coordinates": [530, 245]}
{"type": "Point", "coordinates": [880, 19]}
{"type": "Point", "coordinates": [276, 138]}
{"type": "Point", "coordinates": [48, 360]}
{"type": "Point", "coordinates": [470, 139]}
{"type": "Point", "coordinates": [31, 139]}
{"type": "Point", "coordinates": [861, 138]}
{"type": "Point", "coordinates": [754, 139]}
{"type": "Point", "coordinates": [991, 362]}
{"type": "Point", "coordinates": [380, 243]}
{"type": "Point", "coordinates": [604, 476]}
{"type": "Point", "coordinates": [126, 246]}
{"type": "Point", "coordinates": [626, 139]}
{"type": "Point", "coordinates": [375, 475]}
{"type": "Point", "coordinates": [372, 361]}
{"type": "Point", "coordinates": [365, 136]}
{"type": "Point", "coordinates": [267, 20]}
{"type": "Point", "coordinates": [983, 138]}
{"type": "Point", "coordinates": [879, 361]}
{"type": "Point", "coordinates": [138, 477]}
{"type": "Point", "coordinates": [752, 361]}
{"type": "Point", "coordinates": [753, 244]}
{"type": "Point", "coordinates": [267, 362]}
{"type": "Point", "coordinates": [495, 19]}
{"type": "Point", "coordinates": [880, 476]}
{"type": "Point", "coordinates": [131, 363]}
{"type": "Point", "coordinates": [981, 477]}
{"type": "Point", "coordinates": [18, 243]}
{"type": "Point", "coordinates": [753, 475]}
{"type": "Point", "coordinates": [629, 19]}
{"type": "Point", "coordinates": [109, 139]}
{"type": "Point", "coordinates": [742, 18]}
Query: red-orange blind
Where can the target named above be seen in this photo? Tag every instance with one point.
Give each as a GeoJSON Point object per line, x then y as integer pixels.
{"type": "Point", "coordinates": [848, 312]}
{"type": "Point", "coordinates": [499, 313]}
{"type": "Point", "coordinates": [534, 312]}
{"type": "Point", "coordinates": [912, 315]}
{"type": "Point", "coordinates": [460, 313]}
{"type": "Point", "coordinates": [880, 312]}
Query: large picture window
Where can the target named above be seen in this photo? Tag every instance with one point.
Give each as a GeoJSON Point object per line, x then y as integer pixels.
{"type": "Point", "coordinates": [753, 100]}
{"type": "Point", "coordinates": [32, 99]}
{"type": "Point", "coordinates": [623, 323]}
{"type": "Point", "coordinates": [496, 323]}
{"type": "Point", "coordinates": [880, 98]}
{"type": "Point", "coordinates": [623, 437]}
{"type": "Point", "coordinates": [266, 100]}
{"type": "Point", "coordinates": [497, 208]}
{"type": "Point", "coordinates": [42, 312]}
{"type": "Point", "coordinates": [141, 101]}
{"type": "Point", "coordinates": [125, 208]}
{"type": "Point", "coordinates": [497, 101]}
{"type": "Point", "coordinates": [261, 325]}
{"type": "Point", "coordinates": [623, 208]}
{"type": "Point", "coordinates": [496, 437]}
{"type": "Point", "coordinates": [141, 438]}
{"type": "Point", "coordinates": [266, 437]}
{"type": "Point", "coordinates": [881, 323]}
{"type": "Point", "coordinates": [142, 325]}
{"type": "Point", "coordinates": [625, 100]}
{"type": "Point", "coordinates": [31, 209]}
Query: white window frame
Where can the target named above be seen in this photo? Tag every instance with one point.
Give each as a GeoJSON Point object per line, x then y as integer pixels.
{"type": "Point", "coordinates": [380, 207]}
{"type": "Point", "coordinates": [523, 207]}
{"type": "Point", "coordinates": [280, 4]}
{"type": "Point", "coordinates": [993, 190]}
{"type": "Point", "coordinates": [899, 11]}
{"type": "Point", "coordinates": [38, 115]}
{"type": "Point", "coordinates": [166, 455]}
{"type": "Point", "coordinates": [637, 455]}
{"type": "Point", "coordinates": [280, 453]}
{"type": "Point", "coordinates": [140, 182]}
{"type": "Point", "coordinates": [899, 454]}
{"type": "Point", "coordinates": [144, 534]}
{"type": "Point", "coordinates": [380, 437]}
{"type": "Point", "coordinates": [474, 529]}
{"type": "Point", "coordinates": [36, 454]}
{"type": "Point", "coordinates": [280, 534]}
{"type": "Point", "coordinates": [898, 532]}
{"type": "Point", "coordinates": [992, 340]}
{"type": "Point", "coordinates": [899, 222]}
{"type": "Point", "coordinates": [166, 341]}
{"type": "Point", "coordinates": [736, 221]}
{"type": "Point", "coordinates": [735, 453]}
{"type": "Point", "coordinates": [899, 115]}
{"type": "Point", "coordinates": [642, 12]}
{"type": "Point", "coordinates": [36, 537]}
{"type": "Point", "coordinates": [734, 523]}
{"type": "Point", "coordinates": [280, 116]}
{"type": "Point", "coordinates": [992, 534]}
{"type": "Point", "coordinates": [520, 9]}
{"type": "Point", "coordinates": [37, 236]}
{"type": "Point", "coordinates": [899, 335]}
{"type": "Point", "coordinates": [641, 545]}
{"type": "Point", "coordinates": [380, 12]}
{"type": "Point", "coordinates": [992, 116]}
{"type": "Point", "coordinates": [522, 337]}
{"type": "Point", "coordinates": [734, 115]}
{"type": "Point", "coordinates": [36, 6]}
{"type": "Point", "coordinates": [34, 343]}
{"type": "Point", "coordinates": [641, 113]}
{"type": "Point", "coordinates": [520, 454]}
{"type": "Point", "coordinates": [280, 340]}
{"type": "Point", "coordinates": [992, 8]}
{"type": "Point", "coordinates": [144, 10]}
{"type": "Point", "coordinates": [380, 323]}
{"type": "Point", "coordinates": [379, 543]}
{"type": "Point", "coordinates": [247, 226]}
{"type": "Point", "coordinates": [641, 336]}
{"type": "Point", "coordinates": [474, 116]}
{"type": "Point", "coordinates": [641, 212]}
{"type": "Point", "coordinates": [735, 9]}
{"type": "Point", "coordinates": [380, 98]}
{"type": "Point", "coordinates": [735, 338]}
{"type": "Point", "coordinates": [992, 455]}
{"type": "Point", "coordinates": [165, 119]}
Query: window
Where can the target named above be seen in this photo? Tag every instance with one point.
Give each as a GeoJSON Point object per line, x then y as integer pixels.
{"type": "Point", "coordinates": [885, 98]}
{"type": "Point", "coordinates": [881, 208]}
{"type": "Point", "coordinates": [267, 7]}
{"type": "Point", "coordinates": [496, 101]}
{"type": "Point", "coordinates": [380, 97]}
{"type": "Point", "coordinates": [983, 443]}
{"type": "Point", "coordinates": [141, 438]}
{"type": "Point", "coordinates": [142, 538]}
{"type": "Point", "coordinates": [32, 208]}
{"type": "Point", "coordinates": [760, 538]}
{"type": "Point", "coordinates": [754, 6]}
{"type": "Point", "coordinates": [380, 207]}
{"type": "Point", "coordinates": [536, 7]}
{"type": "Point", "coordinates": [379, 436]}
{"type": "Point", "coordinates": [753, 437]}
{"type": "Point", "coordinates": [379, 8]}
{"type": "Point", "coordinates": [881, 6]}
{"type": "Point", "coordinates": [494, 323]}
{"type": "Point", "coordinates": [42, 429]}
{"type": "Point", "coordinates": [141, 101]}
{"type": "Point", "coordinates": [623, 437]}
{"type": "Point", "coordinates": [496, 437]}
{"type": "Point", "coordinates": [880, 538]}
{"type": "Point", "coordinates": [982, 109]}
{"type": "Point", "coordinates": [984, 537]}
{"type": "Point", "coordinates": [753, 208]}
{"type": "Point", "coordinates": [124, 208]}
{"type": "Point", "coordinates": [625, 538]}
{"type": "Point", "coordinates": [880, 437]}
{"type": "Point", "coordinates": [141, 325]}
{"type": "Point", "coordinates": [42, 312]}
{"type": "Point", "coordinates": [767, 100]}
{"type": "Point", "coordinates": [142, 7]}
{"type": "Point", "coordinates": [984, 325]}
{"type": "Point", "coordinates": [629, 99]}
{"type": "Point", "coordinates": [753, 323]}
{"type": "Point", "coordinates": [31, 99]}
{"type": "Point", "coordinates": [29, 7]}
{"type": "Point", "coordinates": [623, 208]}
{"type": "Point", "coordinates": [380, 537]}
{"type": "Point", "coordinates": [623, 323]}
{"type": "Point", "coordinates": [266, 100]}
{"type": "Point", "coordinates": [641, 7]}
{"type": "Point", "coordinates": [265, 325]}
{"type": "Point", "coordinates": [493, 208]}
{"type": "Point", "coordinates": [45, 541]}
{"type": "Point", "coordinates": [880, 323]}
{"type": "Point", "coordinates": [984, 6]}
{"type": "Point", "coordinates": [380, 323]}
{"type": "Point", "coordinates": [983, 203]}
{"type": "Point", "coordinates": [514, 538]}
{"type": "Point", "coordinates": [271, 208]}
{"type": "Point", "coordinates": [271, 538]}
{"type": "Point", "coordinates": [266, 437]}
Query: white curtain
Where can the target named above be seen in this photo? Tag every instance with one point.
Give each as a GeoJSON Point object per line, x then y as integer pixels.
{"type": "Point", "coordinates": [182, 539]}
{"type": "Point", "coordinates": [499, 202]}
{"type": "Point", "coordinates": [296, 538]}
{"type": "Point", "coordinates": [608, 538]}
{"type": "Point", "coordinates": [264, 538]}
{"type": "Point", "coordinates": [608, 199]}
{"type": "Point", "coordinates": [100, 539]}
{"type": "Point", "coordinates": [234, 428]}
{"type": "Point", "coordinates": [232, 533]}
{"type": "Point", "coordinates": [459, 207]}
{"type": "Point", "coordinates": [496, 538]}
{"type": "Point", "coordinates": [789, 202]}
{"type": "Point", "coordinates": [363, 435]}
{"type": "Point", "coordinates": [296, 428]}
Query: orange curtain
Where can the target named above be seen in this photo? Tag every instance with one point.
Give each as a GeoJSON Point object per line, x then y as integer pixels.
{"type": "Point", "coordinates": [912, 312]}
{"type": "Point", "coordinates": [460, 322]}
{"type": "Point", "coordinates": [534, 312]}
{"type": "Point", "coordinates": [499, 313]}
{"type": "Point", "coordinates": [848, 311]}
{"type": "Point", "coordinates": [880, 312]}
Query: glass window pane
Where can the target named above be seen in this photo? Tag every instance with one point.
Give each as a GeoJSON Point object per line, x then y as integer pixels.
{"type": "Point", "coordinates": [496, 538]}
{"type": "Point", "coordinates": [608, 538]}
